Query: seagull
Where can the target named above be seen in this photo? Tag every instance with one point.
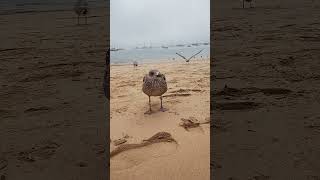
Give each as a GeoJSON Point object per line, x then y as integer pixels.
{"type": "Point", "coordinates": [81, 9]}
{"type": "Point", "coordinates": [187, 60]}
{"type": "Point", "coordinates": [154, 84]}
{"type": "Point", "coordinates": [135, 64]}
{"type": "Point", "coordinates": [249, 1]}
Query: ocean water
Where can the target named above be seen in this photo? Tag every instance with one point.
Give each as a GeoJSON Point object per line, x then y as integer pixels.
{"type": "Point", "coordinates": [157, 54]}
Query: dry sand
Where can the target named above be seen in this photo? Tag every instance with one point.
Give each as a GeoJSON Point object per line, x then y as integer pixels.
{"type": "Point", "coordinates": [190, 159]}
{"type": "Point", "coordinates": [274, 45]}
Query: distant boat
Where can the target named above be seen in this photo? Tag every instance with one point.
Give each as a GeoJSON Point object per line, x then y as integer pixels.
{"type": "Point", "coordinates": [205, 43]}
{"type": "Point", "coordinates": [116, 49]}
{"type": "Point", "coordinates": [189, 45]}
{"type": "Point", "coordinates": [143, 47]}
{"type": "Point", "coordinates": [195, 44]}
{"type": "Point", "coordinates": [180, 45]}
{"type": "Point", "coordinates": [165, 47]}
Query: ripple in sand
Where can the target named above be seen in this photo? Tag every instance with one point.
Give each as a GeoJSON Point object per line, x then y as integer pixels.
{"type": "Point", "coordinates": [42, 108]}
{"type": "Point", "coordinates": [246, 105]}
{"type": "Point", "coordinates": [41, 152]}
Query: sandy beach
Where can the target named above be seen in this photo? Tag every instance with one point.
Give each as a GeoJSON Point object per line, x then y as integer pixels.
{"type": "Point", "coordinates": [187, 97]}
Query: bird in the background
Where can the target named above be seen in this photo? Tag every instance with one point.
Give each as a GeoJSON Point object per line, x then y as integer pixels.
{"type": "Point", "coordinates": [248, 1]}
{"type": "Point", "coordinates": [135, 64]}
{"type": "Point", "coordinates": [193, 56]}
{"type": "Point", "coordinates": [81, 9]}
{"type": "Point", "coordinates": [154, 84]}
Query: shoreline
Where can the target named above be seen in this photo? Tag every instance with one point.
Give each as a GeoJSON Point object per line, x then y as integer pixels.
{"type": "Point", "coordinates": [160, 61]}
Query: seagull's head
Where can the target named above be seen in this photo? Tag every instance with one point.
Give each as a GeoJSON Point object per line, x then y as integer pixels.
{"type": "Point", "coordinates": [153, 73]}
{"type": "Point", "coordinates": [156, 74]}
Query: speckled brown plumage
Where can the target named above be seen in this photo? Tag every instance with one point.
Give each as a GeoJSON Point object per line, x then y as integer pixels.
{"type": "Point", "coordinates": [154, 84]}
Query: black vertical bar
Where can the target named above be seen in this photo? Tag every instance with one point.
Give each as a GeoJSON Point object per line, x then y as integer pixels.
{"type": "Point", "coordinates": [106, 87]}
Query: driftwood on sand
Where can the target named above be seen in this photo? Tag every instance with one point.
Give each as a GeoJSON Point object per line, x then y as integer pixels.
{"type": "Point", "coordinates": [158, 137]}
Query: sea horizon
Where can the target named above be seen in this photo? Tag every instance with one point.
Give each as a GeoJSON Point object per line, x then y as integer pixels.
{"type": "Point", "coordinates": [157, 54]}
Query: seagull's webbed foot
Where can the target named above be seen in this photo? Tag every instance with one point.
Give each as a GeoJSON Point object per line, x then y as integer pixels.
{"type": "Point", "coordinates": [148, 112]}
{"type": "Point", "coordinates": [162, 109]}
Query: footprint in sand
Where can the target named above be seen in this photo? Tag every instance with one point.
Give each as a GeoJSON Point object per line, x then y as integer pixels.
{"type": "Point", "coordinates": [173, 102]}
{"type": "Point", "coordinates": [123, 109]}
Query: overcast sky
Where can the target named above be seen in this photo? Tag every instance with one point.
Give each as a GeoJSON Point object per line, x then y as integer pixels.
{"type": "Point", "coordinates": [135, 22]}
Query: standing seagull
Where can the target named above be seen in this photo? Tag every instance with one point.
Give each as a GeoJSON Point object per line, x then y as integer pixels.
{"type": "Point", "coordinates": [81, 9]}
{"type": "Point", "coordinates": [249, 1]}
{"type": "Point", "coordinates": [135, 64]}
{"type": "Point", "coordinates": [154, 84]}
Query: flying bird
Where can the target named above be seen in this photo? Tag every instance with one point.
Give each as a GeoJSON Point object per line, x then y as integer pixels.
{"type": "Point", "coordinates": [81, 9]}
{"type": "Point", "coordinates": [187, 60]}
{"type": "Point", "coordinates": [154, 84]}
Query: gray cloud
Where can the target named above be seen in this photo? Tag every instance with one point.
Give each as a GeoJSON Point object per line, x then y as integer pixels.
{"type": "Point", "coordinates": [135, 22]}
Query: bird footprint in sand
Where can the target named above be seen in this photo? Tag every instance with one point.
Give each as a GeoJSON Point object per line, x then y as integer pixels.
{"type": "Point", "coordinates": [122, 109]}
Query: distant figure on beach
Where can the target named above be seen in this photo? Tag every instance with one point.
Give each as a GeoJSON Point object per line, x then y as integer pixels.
{"type": "Point", "coordinates": [248, 1]}
{"type": "Point", "coordinates": [154, 84]}
{"type": "Point", "coordinates": [135, 64]}
{"type": "Point", "coordinates": [81, 9]}
{"type": "Point", "coordinates": [106, 75]}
